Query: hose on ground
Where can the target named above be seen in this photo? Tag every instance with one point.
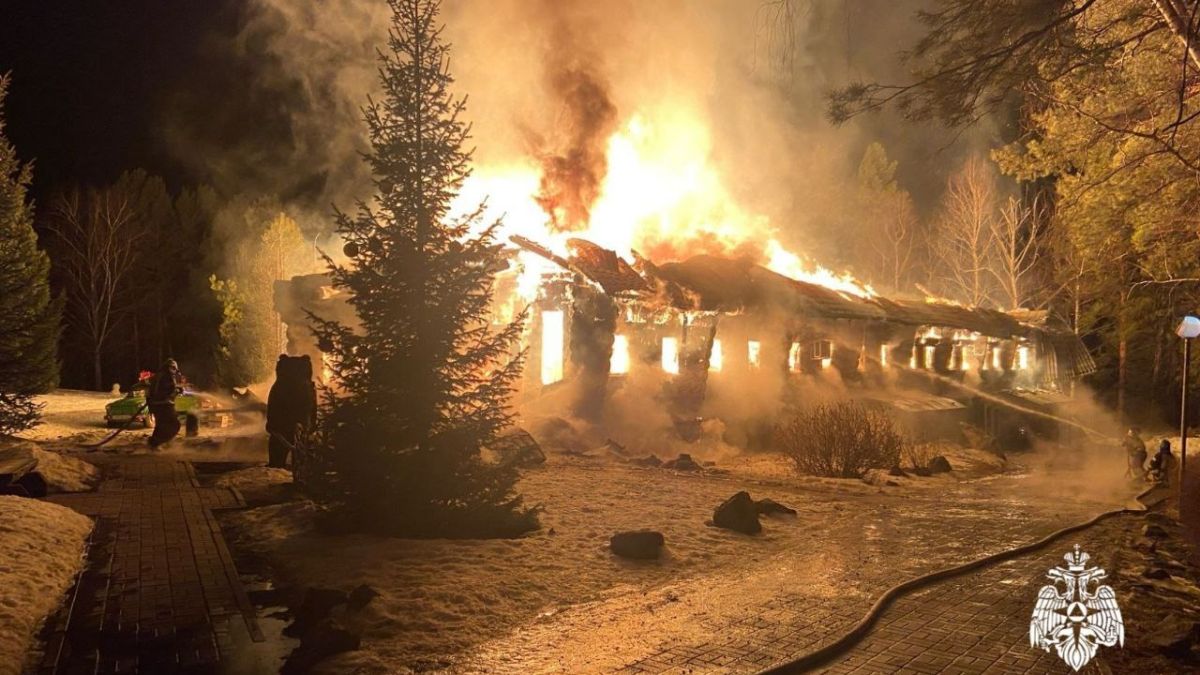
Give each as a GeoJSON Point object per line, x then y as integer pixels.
{"type": "Point", "coordinates": [843, 644]}
{"type": "Point", "coordinates": [123, 427]}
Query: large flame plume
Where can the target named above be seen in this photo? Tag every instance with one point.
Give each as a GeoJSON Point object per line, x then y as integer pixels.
{"type": "Point", "coordinates": [598, 130]}
{"type": "Point", "coordinates": [661, 196]}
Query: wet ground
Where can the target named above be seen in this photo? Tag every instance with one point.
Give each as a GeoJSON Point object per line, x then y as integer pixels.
{"type": "Point", "coordinates": [788, 602]}
{"type": "Point", "coordinates": [558, 601]}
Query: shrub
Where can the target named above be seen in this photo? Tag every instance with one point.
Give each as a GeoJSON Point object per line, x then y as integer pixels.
{"type": "Point", "coordinates": [839, 440]}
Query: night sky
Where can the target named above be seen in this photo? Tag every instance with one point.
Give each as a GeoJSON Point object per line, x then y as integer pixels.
{"type": "Point", "coordinates": [92, 83]}
{"type": "Point", "coordinates": [101, 87]}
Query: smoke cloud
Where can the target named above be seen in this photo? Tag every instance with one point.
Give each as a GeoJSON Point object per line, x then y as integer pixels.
{"type": "Point", "coordinates": [550, 82]}
{"type": "Point", "coordinates": [572, 152]}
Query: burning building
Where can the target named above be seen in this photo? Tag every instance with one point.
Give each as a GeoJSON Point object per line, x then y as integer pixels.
{"type": "Point", "coordinates": [701, 323]}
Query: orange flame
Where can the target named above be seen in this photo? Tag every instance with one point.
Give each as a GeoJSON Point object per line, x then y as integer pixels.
{"type": "Point", "coordinates": [661, 196]}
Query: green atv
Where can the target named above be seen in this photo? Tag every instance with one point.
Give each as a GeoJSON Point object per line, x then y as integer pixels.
{"type": "Point", "coordinates": [122, 410]}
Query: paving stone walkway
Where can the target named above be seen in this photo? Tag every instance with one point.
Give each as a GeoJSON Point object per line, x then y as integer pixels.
{"type": "Point", "coordinates": [160, 593]}
{"type": "Point", "coordinates": [979, 623]}
{"type": "Point", "coordinates": [974, 624]}
{"type": "Point", "coordinates": [798, 620]}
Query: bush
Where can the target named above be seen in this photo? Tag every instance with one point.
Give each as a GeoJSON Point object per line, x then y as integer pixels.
{"type": "Point", "coordinates": [839, 440]}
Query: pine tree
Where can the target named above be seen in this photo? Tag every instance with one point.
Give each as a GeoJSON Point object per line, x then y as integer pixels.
{"type": "Point", "coordinates": [424, 381]}
{"type": "Point", "coordinates": [29, 316]}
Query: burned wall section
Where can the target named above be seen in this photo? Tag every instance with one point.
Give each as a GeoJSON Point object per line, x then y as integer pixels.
{"type": "Point", "coordinates": [687, 391]}
{"type": "Point", "coordinates": [295, 298]}
{"type": "Point", "coordinates": [593, 326]}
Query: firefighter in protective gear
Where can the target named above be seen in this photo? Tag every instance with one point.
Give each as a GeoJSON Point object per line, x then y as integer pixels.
{"type": "Point", "coordinates": [1162, 466]}
{"type": "Point", "coordinates": [166, 384]}
{"type": "Point", "coordinates": [1135, 454]}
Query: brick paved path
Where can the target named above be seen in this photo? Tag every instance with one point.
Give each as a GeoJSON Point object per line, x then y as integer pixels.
{"type": "Point", "coordinates": [979, 623]}
{"type": "Point", "coordinates": [797, 619]}
{"type": "Point", "coordinates": [160, 593]}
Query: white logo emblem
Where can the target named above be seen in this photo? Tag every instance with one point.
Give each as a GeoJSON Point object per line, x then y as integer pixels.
{"type": "Point", "coordinates": [1076, 621]}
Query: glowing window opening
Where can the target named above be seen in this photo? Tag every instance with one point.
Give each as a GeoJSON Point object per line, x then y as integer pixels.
{"type": "Point", "coordinates": [552, 346]}
{"type": "Point", "coordinates": [822, 350]}
{"type": "Point", "coordinates": [794, 357]}
{"type": "Point", "coordinates": [716, 359]}
{"type": "Point", "coordinates": [996, 365]}
{"type": "Point", "coordinates": [670, 355]}
{"type": "Point", "coordinates": [959, 357]}
{"type": "Point", "coordinates": [326, 368]}
{"type": "Point", "coordinates": [753, 349]}
{"type": "Point", "coordinates": [1022, 358]}
{"type": "Point", "coordinates": [619, 363]}
{"type": "Point", "coordinates": [883, 356]}
{"type": "Point", "coordinates": [928, 353]}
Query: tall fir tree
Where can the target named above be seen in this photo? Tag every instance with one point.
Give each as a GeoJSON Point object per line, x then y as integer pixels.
{"type": "Point", "coordinates": [29, 316]}
{"type": "Point", "coordinates": [424, 381]}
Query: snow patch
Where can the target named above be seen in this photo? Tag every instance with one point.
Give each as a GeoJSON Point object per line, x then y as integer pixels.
{"type": "Point", "coordinates": [41, 550]}
{"type": "Point", "coordinates": [63, 472]}
{"type": "Point", "coordinates": [255, 477]}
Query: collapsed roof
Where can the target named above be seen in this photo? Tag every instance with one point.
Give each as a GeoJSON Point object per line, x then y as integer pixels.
{"type": "Point", "coordinates": [714, 283]}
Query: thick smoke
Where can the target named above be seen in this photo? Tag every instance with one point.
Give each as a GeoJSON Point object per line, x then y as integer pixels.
{"type": "Point", "coordinates": [294, 76]}
{"type": "Point", "coordinates": [572, 152]}
{"type": "Point", "coordinates": [549, 81]}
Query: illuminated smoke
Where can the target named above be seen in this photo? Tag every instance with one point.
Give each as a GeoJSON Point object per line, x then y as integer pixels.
{"type": "Point", "coordinates": [575, 163]}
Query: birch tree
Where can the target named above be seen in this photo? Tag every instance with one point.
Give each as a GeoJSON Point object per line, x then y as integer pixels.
{"type": "Point", "coordinates": [962, 243]}
{"type": "Point", "coordinates": [96, 236]}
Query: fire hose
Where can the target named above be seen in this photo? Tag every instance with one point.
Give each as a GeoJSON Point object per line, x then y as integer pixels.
{"type": "Point", "coordinates": [860, 630]}
{"type": "Point", "coordinates": [134, 416]}
{"type": "Point", "coordinates": [123, 427]}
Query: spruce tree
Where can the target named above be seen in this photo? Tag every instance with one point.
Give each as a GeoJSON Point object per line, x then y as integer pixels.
{"type": "Point", "coordinates": [29, 316]}
{"type": "Point", "coordinates": [424, 381]}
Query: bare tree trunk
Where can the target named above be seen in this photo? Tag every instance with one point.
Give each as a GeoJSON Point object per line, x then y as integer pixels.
{"type": "Point", "coordinates": [1171, 12]}
{"type": "Point", "coordinates": [97, 375]}
{"type": "Point", "coordinates": [161, 325]}
{"type": "Point", "coordinates": [1122, 352]}
{"type": "Point", "coordinates": [1156, 369]}
{"type": "Point", "coordinates": [137, 344]}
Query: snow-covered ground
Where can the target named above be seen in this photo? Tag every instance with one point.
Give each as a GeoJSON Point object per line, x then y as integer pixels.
{"type": "Point", "coordinates": [64, 472]}
{"type": "Point", "coordinates": [73, 420]}
{"type": "Point", "coordinates": [41, 551]}
{"type": "Point", "coordinates": [70, 415]}
{"type": "Point", "coordinates": [559, 601]}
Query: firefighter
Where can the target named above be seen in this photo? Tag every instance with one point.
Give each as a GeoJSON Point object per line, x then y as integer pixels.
{"type": "Point", "coordinates": [1162, 466]}
{"type": "Point", "coordinates": [165, 385]}
{"type": "Point", "coordinates": [1135, 450]}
